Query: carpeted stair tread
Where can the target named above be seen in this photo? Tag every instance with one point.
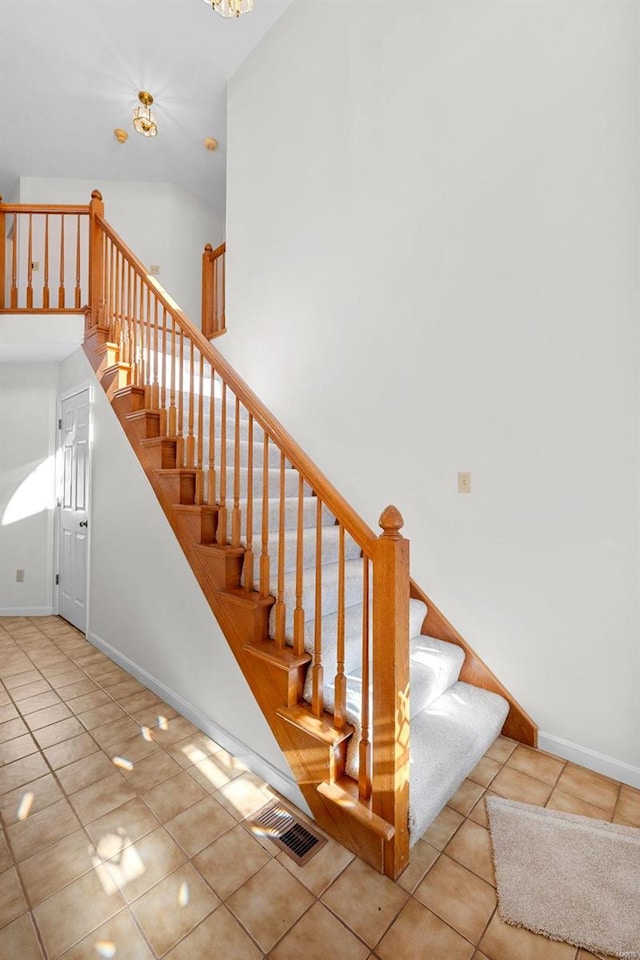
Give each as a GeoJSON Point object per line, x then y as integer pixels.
{"type": "Point", "coordinates": [435, 665]}
{"type": "Point", "coordinates": [330, 542]}
{"type": "Point", "coordinates": [448, 739]}
{"type": "Point", "coordinates": [329, 601]}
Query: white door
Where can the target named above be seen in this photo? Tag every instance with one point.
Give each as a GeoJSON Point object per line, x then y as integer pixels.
{"type": "Point", "coordinates": [73, 504]}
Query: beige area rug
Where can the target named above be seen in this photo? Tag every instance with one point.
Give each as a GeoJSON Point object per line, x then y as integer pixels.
{"type": "Point", "coordinates": [566, 877]}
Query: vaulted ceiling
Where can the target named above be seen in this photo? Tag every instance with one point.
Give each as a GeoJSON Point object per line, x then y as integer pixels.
{"type": "Point", "coordinates": [70, 72]}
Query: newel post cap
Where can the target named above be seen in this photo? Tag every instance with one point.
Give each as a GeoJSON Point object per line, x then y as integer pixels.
{"type": "Point", "coordinates": [208, 248]}
{"type": "Point", "coordinates": [391, 522]}
{"type": "Point", "coordinates": [96, 195]}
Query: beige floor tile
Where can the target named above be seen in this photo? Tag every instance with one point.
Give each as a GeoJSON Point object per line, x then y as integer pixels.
{"type": "Point", "coordinates": [228, 862]}
{"type": "Point", "coordinates": [30, 799]}
{"type": "Point", "coordinates": [193, 749]}
{"type": "Point", "coordinates": [151, 770]}
{"type": "Point", "coordinates": [215, 771]}
{"type": "Point", "coordinates": [73, 912]}
{"type": "Point", "coordinates": [85, 771]}
{"type": "Point", "coordinates": [200, 825]}
{"type": "Point", "coordinates": [114, 734]}
{"type": "Point", "coordinates": [131, 748]}
{"type": "Point", "coordinates": [17, 748]}
{"type": "Point", "coordinates": [366, 901]}
{"type": "Point", "coordinates": [8, 712]}
{"type": "Point", "coordinates": [123, 688]}
{"type": "Point", "coordinates": [39, 702]}
{"type": "Point", "coordinates": [19, 772]}
{"type": "Point", "coordinates": [484, 771]}
{"type": "Point", "coordinates": [88, 701]}
{"type": "Point", "coordinates": [459, 897]}
{"type": "Point", "coordinates": [58, 732]}
{"type": "Point", "coordinates": [465, 797]}
{"type": "Point", "coordinates": [318, 935]}
{"type": "Point", "coordinates": [19, 940]}
{"type": "Point", "coordinates": [244, 795]}
{"type": "Point", "coordinates": [219, 937]}
{"type": "Point", "coordinates": [567, 803]}
{"type": "Point", "coordinates": [11, 729]}
{"type": "Point", "coordinates": [323, 868]}
{"type": "Point", "coordinates": [100, 716]}
{"type": "Point", "coordinates": [173, 796]}
{"type": "Point", "coordinates": [173, 908]}
{"type": "Point", "coordinates": [57, 865]}
{"type": "Point", "coordinates": [112, 676]}
{"type": "Point", "coordinates": [628, 806]}
{"type": "Point", "coordinates": [269, 904]}
{"type": "Point", "coordinates": [157, 717]}
{"type": "Point", "coordinates": [6, 859]}
{"type": "Point", "coordinates": [471, 846]}
{"type": "Point", "coordinates": [139, 701]}
{"type": "Point", "coordinates": [418, 934]}
{"type": "Point", "coordinates": [75, 688]}
{"type": "Point", "coordinates": [443, 828]}
{"type": "Point", "coordinates": [592, 787]}
{"type": "Point", "coordinates": [12, 901]}
{"type": "Point", "coordinates": [536, 764]}
{"type": "Point", "coordinates": [44, 718]}
{"type": "Point", "coordinates": [22, 679]}
{"type": "Point", "coordinates": [139, 866]}
{"type": "Point", "coordinates": [501, 749]}
{"type": "Point", "coordinates": [40, 830]}
{"type": "Point", "coordinates": [175, 729]}
{"type": "Point", "coordinates": [503, 942]}
{"type": "Point", "coordinates": [120, 827]}
{"type": "Point", "coordinates": [31, 690]}
{"type": "Point", "coordinates": [119, 937]}
{"type": "Point", "coordinates": [514, 785]}
{"type": "Point", "coordinates": [422, 858]}
{"type": "Point", "coordinates": [101, 797]}
{"type": "Point", "coordinates": [62, 754]}
{"type": "Point", "coordinates": [479, 813]}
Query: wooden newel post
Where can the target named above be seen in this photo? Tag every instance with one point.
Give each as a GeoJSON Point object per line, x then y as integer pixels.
{"type": "Point", "coordinates": [96, 261]}
{"type": "Point", "coordinates": [208, 273]}
{"type": "Point", "coordinates": [3, 266]}
{"type": "Point", "coordinates": [390, 795]}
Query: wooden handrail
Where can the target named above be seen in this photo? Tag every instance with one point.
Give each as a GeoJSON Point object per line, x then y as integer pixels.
{"type": "Point", "coordinates": [44, 208]}
{"type": "Point", "coordinates": [353, 523]}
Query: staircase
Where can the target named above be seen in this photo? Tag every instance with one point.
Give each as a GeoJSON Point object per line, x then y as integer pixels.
{"type": "Point", "coordinates": [320, 613]}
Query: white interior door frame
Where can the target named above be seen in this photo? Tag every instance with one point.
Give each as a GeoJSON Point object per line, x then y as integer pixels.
{"type": "Point", "coordinates": [67, 395]}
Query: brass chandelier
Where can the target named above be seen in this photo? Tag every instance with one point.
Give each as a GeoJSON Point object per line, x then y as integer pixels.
{"type": "Point", "coordinates": [144, 120]}
{"type": "Point", "coordinates": [231, 8]}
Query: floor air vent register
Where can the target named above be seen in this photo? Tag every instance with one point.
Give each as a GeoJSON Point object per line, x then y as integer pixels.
{"type": "Point", "coordinates": [282, 827]}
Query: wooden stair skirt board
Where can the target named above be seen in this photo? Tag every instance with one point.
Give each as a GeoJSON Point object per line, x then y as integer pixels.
{"type": "Point", "coordinates": [316, 748]}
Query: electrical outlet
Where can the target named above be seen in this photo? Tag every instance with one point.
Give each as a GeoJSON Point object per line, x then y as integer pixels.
{"type": "Point", "coordinates": [154, 270]}
{"type": "Point", "coordinates": [19, 576]}
{"type": "Point", "coordinates": [464, 482]}
{"type": "Point", "coordinates": [35, 265]}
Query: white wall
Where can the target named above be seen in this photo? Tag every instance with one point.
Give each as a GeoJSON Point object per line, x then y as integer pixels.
{"type": "Point", "coordinates": [27, 448]}
{"type": "Point", "coordinates": [145, 606]}
{"type": "Point", "coordinates": [432, 217]}
{"type": "Point", "coordinates": [161, 223]}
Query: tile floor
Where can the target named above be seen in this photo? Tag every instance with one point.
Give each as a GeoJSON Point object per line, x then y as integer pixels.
{"type": "Point", "coordinates": [123, 837]}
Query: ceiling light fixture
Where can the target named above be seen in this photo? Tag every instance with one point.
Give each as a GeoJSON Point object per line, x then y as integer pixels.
{"type": "Point", "coordinates": [143, 120]}
{"type": "Point", "coordinates": [121, 135]}
{"type": "Point", "coordinates": [231, 8]}
{"type": "Point", "coordinates": [211, 143]}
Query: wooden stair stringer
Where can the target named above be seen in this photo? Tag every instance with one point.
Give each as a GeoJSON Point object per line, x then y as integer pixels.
{"type": "Point", "coordinates": [243, 618]}
{"type": "Point", "coordinates": [518, 725]}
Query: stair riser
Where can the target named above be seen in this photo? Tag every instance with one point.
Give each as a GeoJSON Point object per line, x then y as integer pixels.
{"type": "Point", "coordinates": [329, 603]}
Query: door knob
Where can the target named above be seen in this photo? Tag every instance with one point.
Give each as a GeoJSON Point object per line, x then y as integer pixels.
{"type": "Point", "coordinates": [84, 523]}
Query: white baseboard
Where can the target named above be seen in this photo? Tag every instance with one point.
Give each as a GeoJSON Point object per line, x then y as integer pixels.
{"type": "Point", "coordinates": [26, 611]}
{"type": "Point", "coordinates": [276, 778]}
{"type": "Point", "coordinates": [608, 766]}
